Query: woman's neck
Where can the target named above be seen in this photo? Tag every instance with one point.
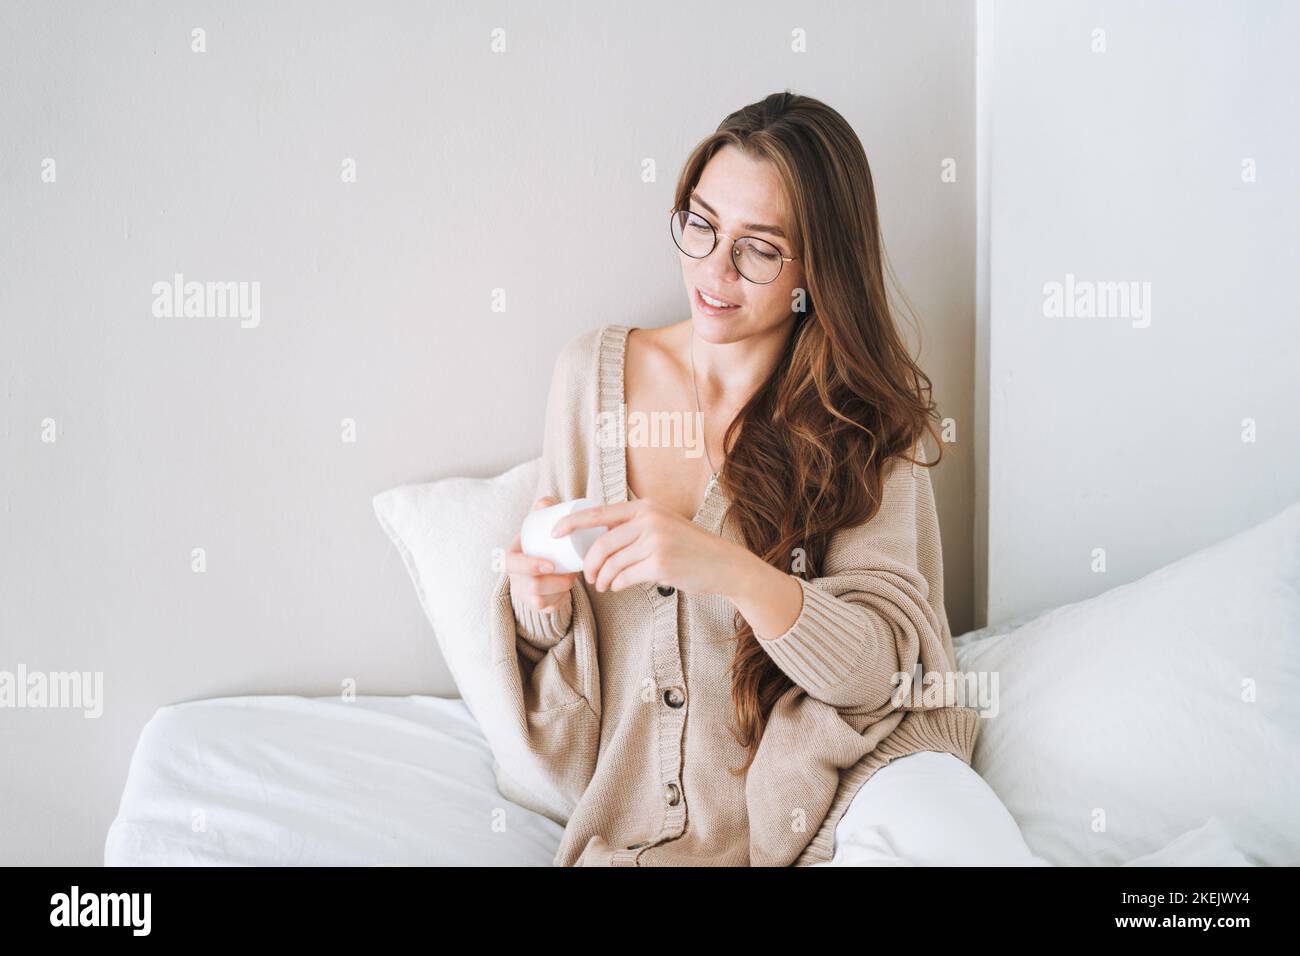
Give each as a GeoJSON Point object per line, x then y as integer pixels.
{"type": "Point", "coordinates": [728, 374]}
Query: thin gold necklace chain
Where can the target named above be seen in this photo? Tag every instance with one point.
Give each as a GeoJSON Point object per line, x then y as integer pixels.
{"type": "Point", "coordinates": [703, 436]}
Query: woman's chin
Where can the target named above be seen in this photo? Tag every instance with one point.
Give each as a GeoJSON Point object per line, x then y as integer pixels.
{"type": "Point", "coordinates": [706, 331]}
{"type": "Point", "coordinates": [719, 328]}
{"type": "Point", "coordinates": [722, 330]}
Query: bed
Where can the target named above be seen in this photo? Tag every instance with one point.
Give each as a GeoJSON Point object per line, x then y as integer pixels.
{"type": "Point", "coordinates": [1157, 723]}
{"type": "Point", "coordinates": [320, 781]}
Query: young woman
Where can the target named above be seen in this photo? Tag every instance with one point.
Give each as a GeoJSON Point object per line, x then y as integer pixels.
{"type": "Point", "coordinates": [724, 676]}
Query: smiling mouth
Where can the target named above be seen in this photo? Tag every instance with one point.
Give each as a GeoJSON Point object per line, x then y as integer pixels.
{"type": "Point", "coordinates": [717, 305]}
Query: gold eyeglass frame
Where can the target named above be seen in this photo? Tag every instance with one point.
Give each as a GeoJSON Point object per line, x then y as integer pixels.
{"type": "Point", "coordinates": [718, 237]}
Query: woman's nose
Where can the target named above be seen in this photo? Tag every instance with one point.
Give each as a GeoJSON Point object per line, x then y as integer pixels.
{"type": "Point", "coordinates": [718, 265]}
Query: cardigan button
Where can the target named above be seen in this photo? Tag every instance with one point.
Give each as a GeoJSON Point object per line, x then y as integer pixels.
{"type": "Point", "coordinates": [673, 794]}
{"type": "Point", "coordinates": [674, 697]}
{"type": "Point", "coordinates": [666, 590]}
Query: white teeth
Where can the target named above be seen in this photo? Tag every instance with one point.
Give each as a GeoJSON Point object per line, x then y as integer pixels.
{"type": "Point", "coordinates": [716, 303]}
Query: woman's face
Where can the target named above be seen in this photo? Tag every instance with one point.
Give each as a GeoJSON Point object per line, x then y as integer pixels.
{"type": "Point", "coordinates": [740, 196]}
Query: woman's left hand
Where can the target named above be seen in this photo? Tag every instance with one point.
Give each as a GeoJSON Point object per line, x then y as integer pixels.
{"type": "Point", "coordinates": [646, 542]}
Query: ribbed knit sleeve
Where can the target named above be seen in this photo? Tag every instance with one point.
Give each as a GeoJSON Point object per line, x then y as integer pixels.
{"type": "Point", "coordinates": [877, 613]}
{"type": "Point", "coordinates": [548, 728]}
{"type": "Point", "coordinates": [547, 662]}
{"type": "Point", "coordinates": [542, 629]}
{"type": "Point", "coordinates": [879, 609]}
{"type": "Point", "coordinates": [563, 432]}
{"type": "Point", "coordinates": [557, 667]}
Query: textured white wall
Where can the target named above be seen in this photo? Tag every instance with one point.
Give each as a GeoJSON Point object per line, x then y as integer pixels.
{"type": "Point", "coordinates": [1122, 138]}
{"type": "Point", "coordinates": [474, 171]}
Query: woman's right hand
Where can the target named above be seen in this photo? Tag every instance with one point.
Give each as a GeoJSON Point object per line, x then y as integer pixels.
{"type": "Point", "coordinates": [532, 579]}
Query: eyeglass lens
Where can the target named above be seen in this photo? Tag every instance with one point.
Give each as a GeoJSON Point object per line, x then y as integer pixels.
{"type": "Point", "coordinates": [756, 259]}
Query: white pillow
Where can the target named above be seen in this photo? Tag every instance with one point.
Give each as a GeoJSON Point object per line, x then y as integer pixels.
{"type": "Point", "coordinates": [445, 531]}
{"type": "Point", "coordinates": [1210, 844]}
{"type": "Point", "coordinates": [1124, 720]}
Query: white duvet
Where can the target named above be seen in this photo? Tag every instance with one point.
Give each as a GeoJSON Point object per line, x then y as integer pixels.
{"type": "Point", "coordinates": [315, 781]}
{"type": "Point", "coordinates": [300, 781]}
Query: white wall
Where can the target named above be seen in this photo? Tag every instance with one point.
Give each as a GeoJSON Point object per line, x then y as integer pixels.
{"type": "Point", "coordinates": [474, 171]}
{"type": "Point", "coordinates": [1112, 434]}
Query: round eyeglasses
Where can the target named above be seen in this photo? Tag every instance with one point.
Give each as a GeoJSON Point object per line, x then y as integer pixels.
{"type": "Point", "coordinates": [756, 259]}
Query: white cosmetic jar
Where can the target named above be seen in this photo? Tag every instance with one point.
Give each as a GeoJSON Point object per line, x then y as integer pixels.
{"type": "Point", "coordinates": [565, 553]}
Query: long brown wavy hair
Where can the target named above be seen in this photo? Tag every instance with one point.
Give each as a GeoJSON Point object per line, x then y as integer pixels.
{"type": "Point", "coordinates": [844, 398]}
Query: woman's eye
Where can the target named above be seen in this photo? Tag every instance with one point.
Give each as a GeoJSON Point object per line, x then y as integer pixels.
{"type": "Point", "coordinates": [699, 226]}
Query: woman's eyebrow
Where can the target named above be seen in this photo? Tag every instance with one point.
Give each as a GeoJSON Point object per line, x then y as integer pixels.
{"type": "Point", "coordinates": [749, 226]}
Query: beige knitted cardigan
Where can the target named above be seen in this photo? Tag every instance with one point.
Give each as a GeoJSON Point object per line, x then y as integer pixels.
{"type": "Point", "coordinates": [624, 698]}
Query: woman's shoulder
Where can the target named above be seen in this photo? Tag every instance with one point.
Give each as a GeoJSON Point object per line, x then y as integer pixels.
{"type": "Point", "coordinates": [907, 509]}
{"type": "Point", "coordinates": [603, 342]}
{"type": "Point", "coordinates": [583, 352]}
{"type": "Point", "coordinates": [908, 474]}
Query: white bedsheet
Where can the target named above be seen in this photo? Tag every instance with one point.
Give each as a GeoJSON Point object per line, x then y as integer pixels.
{"type": "Point", "coordinates": [303, 781]}
{"type": "Point", "coordinates": [314, 781]}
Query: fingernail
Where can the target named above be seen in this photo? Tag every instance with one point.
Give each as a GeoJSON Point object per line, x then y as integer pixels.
{"type": "Point", "coordinates": [555, 532]}
{"type": "Point", "coordinates": [546, 568]}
